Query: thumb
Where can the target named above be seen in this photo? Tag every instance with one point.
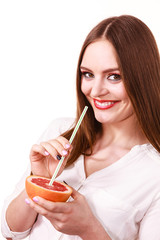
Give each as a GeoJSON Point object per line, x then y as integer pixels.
{"type": "Point", "coordinates": [75, 194]}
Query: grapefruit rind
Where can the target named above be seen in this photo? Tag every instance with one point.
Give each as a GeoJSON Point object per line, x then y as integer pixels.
{"type": "Point", "coordinates": [51, 195]}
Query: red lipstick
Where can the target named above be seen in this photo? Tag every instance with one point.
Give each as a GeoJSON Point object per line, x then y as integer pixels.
{"type": "Point", "coordinates": [104, 104]}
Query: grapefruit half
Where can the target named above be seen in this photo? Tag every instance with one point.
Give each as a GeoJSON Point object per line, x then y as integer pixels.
{"type": "Point", "coordinates": [39, 186]}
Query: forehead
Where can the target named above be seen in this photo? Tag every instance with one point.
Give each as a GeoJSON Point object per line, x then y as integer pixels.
{"type": "Point", "coordinates": [100, 53]}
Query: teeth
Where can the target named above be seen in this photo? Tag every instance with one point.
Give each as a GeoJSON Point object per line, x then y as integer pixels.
{"type": "Point", "coordinates": [104, 104]}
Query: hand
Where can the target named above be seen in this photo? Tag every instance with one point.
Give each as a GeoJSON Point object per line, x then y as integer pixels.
{"type": "Point", "coordinates": [43, 157]}
{"type": "Point", "coordinates": [72, 218]}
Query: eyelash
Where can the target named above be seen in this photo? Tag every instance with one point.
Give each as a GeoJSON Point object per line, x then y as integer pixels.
{"type": "Point", "coordinates": [118, 76]}
{"type": "Point", "coordinates": [85, 74]}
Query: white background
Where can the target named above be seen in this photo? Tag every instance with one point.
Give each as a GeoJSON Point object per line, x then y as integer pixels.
{"type": "Point", "coordinates": [40, 41]}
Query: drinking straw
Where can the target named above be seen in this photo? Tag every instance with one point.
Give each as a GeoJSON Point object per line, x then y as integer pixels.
{"type": "Point", "coordinates": [70, 141]}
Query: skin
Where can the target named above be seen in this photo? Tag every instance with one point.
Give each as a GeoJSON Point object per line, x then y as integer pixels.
{"type": "Point", "coordinates": [120, 131]}
{"type": "Point", "coordinates": [75, 218]}
{"type": "Point", "coordinates": [44, 156]}
{"type": "Point", "coordinates": [101, 80]}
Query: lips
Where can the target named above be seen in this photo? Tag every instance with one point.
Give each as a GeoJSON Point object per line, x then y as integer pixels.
{"type": "Point", "coordinates": [104, 104]}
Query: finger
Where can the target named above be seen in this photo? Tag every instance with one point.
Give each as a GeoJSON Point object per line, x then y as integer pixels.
{"type": "Point", "coordinates": [58, 145]}
{"type": "Point", "coordinates": [51, 149]}
{"type": "Point", "coordinates": [50, 215]}
{"type": "Point", "coordinates": [56, 207]}
{"type": "Point", "coordinates": [76, 195]}
{"type": "Point", "coordinates": [54, 216]}
{"type": "Point", "coordinates": [38, 149]}
{"type": "Point", "coordinates": [66, 144]}
{"type": "Point", "coordinates": [36, 207]}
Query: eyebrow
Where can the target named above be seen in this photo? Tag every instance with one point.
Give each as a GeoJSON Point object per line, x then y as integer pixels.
{"type": "Point", "coordinates": [104, 71]}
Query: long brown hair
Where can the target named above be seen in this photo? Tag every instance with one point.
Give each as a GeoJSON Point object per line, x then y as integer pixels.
{"type": "Point", "coordinates": [139, 62]}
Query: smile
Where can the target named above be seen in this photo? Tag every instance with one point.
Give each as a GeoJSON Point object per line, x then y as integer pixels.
{"type": "Point", "coordinates": [103, 104]}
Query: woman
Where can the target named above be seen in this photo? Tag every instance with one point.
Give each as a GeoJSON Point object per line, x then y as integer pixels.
{"type": "Point", "coordinates": [113, 164]}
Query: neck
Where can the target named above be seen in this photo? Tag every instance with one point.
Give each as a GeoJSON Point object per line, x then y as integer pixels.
{"type": "Point", "coordinates": [126, 133]}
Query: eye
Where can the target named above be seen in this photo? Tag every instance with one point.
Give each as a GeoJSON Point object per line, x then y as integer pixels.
{"type": "Point", "coordinates": [114, 77]}
{"type": "Point", "coordinates": [87, 74]}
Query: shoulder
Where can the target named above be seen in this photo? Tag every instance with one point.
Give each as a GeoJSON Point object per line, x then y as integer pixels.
{"type": "Point", "coordinates": [147, 152]}
{"type": "Point", "coordinates": [151, 153]}
{"type": "Point", "coordinates": [149, 162]}
{"type": "Point", "coordinates": [145, 162]}
{"type": "Point", "coordinates": [56, 128]}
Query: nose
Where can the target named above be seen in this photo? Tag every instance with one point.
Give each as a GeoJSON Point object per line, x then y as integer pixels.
{"type": "Point", "coordinates": [99, 88]}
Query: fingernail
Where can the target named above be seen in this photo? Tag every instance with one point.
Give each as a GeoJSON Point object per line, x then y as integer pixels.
{"type": "Point", "coordinates": [67, 146]}
{"type": "Point", "coordinates": [64, 152]}
{"type": "Point", "coordinates": [58, 157]}
{"type": "Point", "coordinates": [35, 199]}
{"type": "Point", "coordinates": [27, 201]}
{"type": "Point", "coordinates": [46, 153]}
{"type": "Point", "coordinates": [65, 182]}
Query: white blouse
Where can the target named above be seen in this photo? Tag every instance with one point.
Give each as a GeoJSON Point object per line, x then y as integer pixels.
{"type": "Point", "coordinates": [125, 196]}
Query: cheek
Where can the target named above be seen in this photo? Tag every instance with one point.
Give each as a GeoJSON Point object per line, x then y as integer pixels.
{"type": "Point", "coordinates": [125, 99]}
{"type": "Point", "coordinates": [85, 87]}
{"type": "Point", "coordinates": [125, 96]}
{"type": "Point", "coordinates": [120, 92]}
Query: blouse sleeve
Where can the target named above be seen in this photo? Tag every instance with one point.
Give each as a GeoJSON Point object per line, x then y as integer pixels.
{"type": "Point", "coordinates": [150, 225]}
{"type": "Point", "coordinates": [4, 226]}
{"type": "Point", "coordinates": [55, 128]}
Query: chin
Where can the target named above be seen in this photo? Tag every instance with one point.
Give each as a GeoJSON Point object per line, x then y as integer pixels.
{"type": "Point", "coordinates": [101, 119]}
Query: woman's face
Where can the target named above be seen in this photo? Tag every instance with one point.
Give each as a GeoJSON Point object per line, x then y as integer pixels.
{"type": "Point", "coordinates": [102, 85]}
